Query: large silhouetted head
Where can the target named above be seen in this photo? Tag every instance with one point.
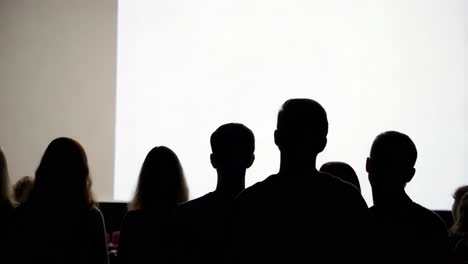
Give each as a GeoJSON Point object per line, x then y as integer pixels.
{"type": "Point", "coordinates": [302, 127]}
{"type": "Point", "coordinates": [233, 147]}
{"type": "Point", "coordinates": [63, 175]}
{"type": "Point", "coordinates": [162, 182]}
{"type": "Point", "coordinates": [391, 162]}
{"type": "Point", "coordinates": [343, 171]}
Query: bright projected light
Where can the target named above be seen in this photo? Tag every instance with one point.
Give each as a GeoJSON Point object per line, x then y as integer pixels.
{"type": "Point", "coordinates": [186, 67]}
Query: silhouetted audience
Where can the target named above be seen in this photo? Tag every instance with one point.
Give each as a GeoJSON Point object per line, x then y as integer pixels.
{"type": "Point", "coordinates": [343, 171]}
{"type": "Point", "coordinates": [22, 189]}
{"type": "Point", "coordinates": [59, 223]}
{"type": "Point", "coordinates": [298, 215]}
{"type": "Point", "coordinates": [301, 215]}
{"type": "Point", "coordinates": [146, 234]}
{"type": "Point", "coordinates": [459, 230]}
{"type": "Point", "coordinates": [408, 232]}
{"type": "Point", "coordinates": [204, 223]}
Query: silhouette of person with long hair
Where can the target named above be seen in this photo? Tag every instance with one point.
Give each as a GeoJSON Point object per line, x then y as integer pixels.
{"type": "Point", "coordinates": [5, 201]}
{"type": "Point", "coordinates": [459, 230]}
{"type": "Point", "coordinates": [60, 222]}
{"type": "Point", "coordinates": [409, 232]}
{"type": "Point", "coordinates": [205, 221]}
{"type": "Point", "coordinates": [6, 207]}
{"type": "Point", "coordinates": [300, 215]}
{"type": "Point", "coordinates": [343, 171]}
{"type": "Point", "coordinates": [146, 234]}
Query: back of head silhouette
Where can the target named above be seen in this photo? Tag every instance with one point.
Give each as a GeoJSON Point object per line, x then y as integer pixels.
{"type": "Point", "coordinates": [343, 171]}
{"type": "Point", "coordinates": [22, 188]}
{"type": "Point", "coordinates": [233, 148]}
{"type": "Point", "coordinates": [4, 181]}
{"type": "Point", "coordinates": [161, 183]}
{"type": "Point", "coordinates": [391, 162]}
{"type": "Point", "coordinates": [63, 176]}
{"type": "Point", "coordinates": [460, 212]}
{"type": "Point", "coordinates": [302, 128]}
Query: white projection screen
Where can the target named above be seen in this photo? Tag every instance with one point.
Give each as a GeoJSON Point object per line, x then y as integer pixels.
{"type": "Point", "coordinates": [186, 67]}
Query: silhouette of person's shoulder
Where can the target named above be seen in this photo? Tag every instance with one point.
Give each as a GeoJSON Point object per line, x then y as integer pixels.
{"type": "Point", "coordinates": [133, 215]}
{"type": "Point", "coordinates": [412, 232]}
{"type": "Point", "coordinates": [273, 217]}
{"type": "Point", "coordinates": [427, 213]}
{"type": "Point", "coordinates": [258, 191]}
{"type": "Point", "coordinates": [321, 189]}
{"type": "Point", "coordinates": [202, 214]}
{"type": "Point", "coordinates": [340, 195]}
{"type": "Point", "coordinates": [95, 213]}
{"type": "Point", "coordinates": [412, 213]}
{"type": "Point", "coordinates": [428, 219]}
{"type": "Point", "coordinates": [138, 219]}
{"type": "Point", "coordinates": [335, 184]}
{"type": "Point", "coordinates": [195, 205]}
{"type": "Point", "coordinates": [334, 180]}
{"type": "Point", "coordinates": [95, 219]}
{"type": "Point", "coordinates": [141, 226]}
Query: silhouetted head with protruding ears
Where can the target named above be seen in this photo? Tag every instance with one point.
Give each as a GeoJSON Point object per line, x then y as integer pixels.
{"type": "Point", "coordinates": [4, 182]}
{"type": "Point", "coordinates": [391, 162]}
{"type": "Point", "coordinates": [233, 147]}
{"type": "Point", "coordinates": [301, 132]}
{"type": "Point", "coordinates": [161, 184]}
{"type": "Point", "coordinates": [343, 171]}
{"type": "Point", "coordinates": [62, 177]}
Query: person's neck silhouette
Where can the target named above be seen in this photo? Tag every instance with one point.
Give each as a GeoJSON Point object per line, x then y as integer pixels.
{"type": "Point", "coordinates": [343, 171]}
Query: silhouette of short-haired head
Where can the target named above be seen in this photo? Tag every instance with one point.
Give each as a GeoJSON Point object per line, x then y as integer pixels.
{"type": "Point", "coordinates": [63, 176]}
{"type": "Point", "coordinates": [22, 188]}
{"type": "Point", "coordinates": [392, 159]}
{"type": "Point", "coordinates": [343, 171]}
{"type": "Point", "coordinates": [4, 181]}
{"type": "Point", "coordinates": [161, 184]}
{"type": "Point", "coordinates": [302, 127]}
{"type": "Point", "coordinates": [233, 147]}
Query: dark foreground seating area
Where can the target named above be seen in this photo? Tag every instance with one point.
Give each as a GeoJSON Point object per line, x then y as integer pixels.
{"type": "Point", "coordinates": [114, 213]}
